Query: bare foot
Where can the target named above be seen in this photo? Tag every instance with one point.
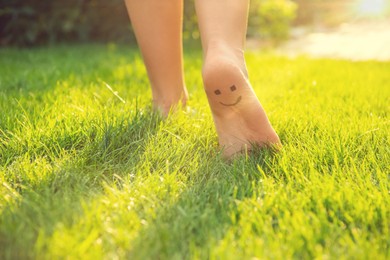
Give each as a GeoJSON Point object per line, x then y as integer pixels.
{"type": "Point", "coordinates": [169, 100]}
{"type": "Point", "coordinates": [239, 118]}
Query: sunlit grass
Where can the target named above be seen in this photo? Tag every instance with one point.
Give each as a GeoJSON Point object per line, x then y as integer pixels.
{"type": "Point", "coordinates": [87, 176]}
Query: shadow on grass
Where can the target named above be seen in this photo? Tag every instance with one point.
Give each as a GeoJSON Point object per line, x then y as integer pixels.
{"type": "Point", "coordinates": [36, 211]}
{"type": "Point", "coordinates": [204, 211]}
{"type": "Point", "coordinates": [198, 218]}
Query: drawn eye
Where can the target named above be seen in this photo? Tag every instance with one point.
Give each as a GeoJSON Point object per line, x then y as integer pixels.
{"type": "Point", "coordinates": [217, 92]}
{"type": "Point", "coordinates": [233, 88]}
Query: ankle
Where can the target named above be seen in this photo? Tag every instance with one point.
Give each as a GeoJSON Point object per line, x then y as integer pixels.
{"type": "Point", "coordinates": [169, 100]}
{"type": "Point", "coordinates": [223, 66]}
{"type": "Point", "coordinates": [220, 54]}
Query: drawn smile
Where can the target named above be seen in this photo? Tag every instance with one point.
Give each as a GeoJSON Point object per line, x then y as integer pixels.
{"type": "Point", "coordinates": [235, 103]}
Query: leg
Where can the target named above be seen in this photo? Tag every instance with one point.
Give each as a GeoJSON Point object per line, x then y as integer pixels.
{"type": "Point", "coordinates": [239, 118]}
{"type": "Point", "coordinates": [158, 25]}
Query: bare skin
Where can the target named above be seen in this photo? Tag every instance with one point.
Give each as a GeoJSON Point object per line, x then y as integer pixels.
{"type": "Point", "coordinates": [158, 28]}
{"type": "Point", "coordinates": [239, 118]}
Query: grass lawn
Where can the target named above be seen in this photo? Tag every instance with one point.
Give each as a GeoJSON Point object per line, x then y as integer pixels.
{"type": "Point", "coordinates": [91, 173]}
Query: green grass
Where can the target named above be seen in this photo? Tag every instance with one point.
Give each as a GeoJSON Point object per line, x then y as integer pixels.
{"type": "Point", "coordinates": [84, 175]}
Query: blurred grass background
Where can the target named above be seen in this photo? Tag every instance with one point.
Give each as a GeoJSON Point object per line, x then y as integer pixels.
{"type": "Point", "coordinates": [34, 22]}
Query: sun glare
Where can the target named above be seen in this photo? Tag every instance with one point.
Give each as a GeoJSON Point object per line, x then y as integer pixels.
{"type": "Point", "coordinates": [371, 7]}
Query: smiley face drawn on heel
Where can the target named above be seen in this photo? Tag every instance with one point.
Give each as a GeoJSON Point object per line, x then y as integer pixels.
{"type": "Point", "coordinates": [232, 89]}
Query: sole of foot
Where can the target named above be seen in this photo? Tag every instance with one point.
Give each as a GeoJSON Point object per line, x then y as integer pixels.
{"type": "Point", "coordinates": [239, 118]}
